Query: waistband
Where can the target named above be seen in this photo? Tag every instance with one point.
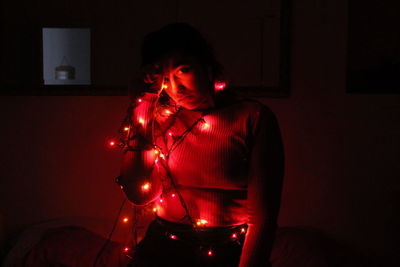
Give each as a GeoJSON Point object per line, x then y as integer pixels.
{"type": "Point", "coordinates": [202, 235]}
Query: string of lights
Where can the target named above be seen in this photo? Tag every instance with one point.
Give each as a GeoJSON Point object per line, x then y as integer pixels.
{"type": "Point", "coordinates": [109, 235]}
{"type": "Point", "coordinates": [130, 130]}
{"type": "Point", "coordinates": [156, 149]}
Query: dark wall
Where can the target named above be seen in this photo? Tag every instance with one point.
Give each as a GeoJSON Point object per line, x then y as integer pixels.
{"type": "Point", "coordinates": [342, 149]}
{"type": "Point", "coordinates": [117, 29]}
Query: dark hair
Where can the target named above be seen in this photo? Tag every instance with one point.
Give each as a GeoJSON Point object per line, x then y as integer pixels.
{"type": "Point", "coordinates": [179, 38]}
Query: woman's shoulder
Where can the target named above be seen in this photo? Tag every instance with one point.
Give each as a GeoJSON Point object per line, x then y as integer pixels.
{"type": "Point", "coordinates": [244, 105]}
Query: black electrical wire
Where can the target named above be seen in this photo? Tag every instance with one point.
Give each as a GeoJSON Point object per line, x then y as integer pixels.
{"type": "Point", "coordinates": [109, 235]}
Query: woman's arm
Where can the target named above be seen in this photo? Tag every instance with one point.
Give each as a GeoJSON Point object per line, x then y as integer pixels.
{"type": "Point", "coordinates": [264, 191]}
{"type": "Point", "coordinates": [140, 173]}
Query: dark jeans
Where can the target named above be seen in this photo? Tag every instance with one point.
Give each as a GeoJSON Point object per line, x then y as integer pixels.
{"type": "Point", "coordinates": [168, 244]}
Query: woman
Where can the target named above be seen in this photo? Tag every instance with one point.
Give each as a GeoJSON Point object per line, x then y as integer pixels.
{"type": "Point", "coordinates": [209, 162]}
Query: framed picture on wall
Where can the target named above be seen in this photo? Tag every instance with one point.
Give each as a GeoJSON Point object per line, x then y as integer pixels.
{"type": "Point", "coordinates": [66, 56]}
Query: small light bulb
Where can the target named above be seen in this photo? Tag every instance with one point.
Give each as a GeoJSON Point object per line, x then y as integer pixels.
{"type": "Point", "coordinates": [170, 133]}
{"type": "Point", "coordinates": [112, 143]}
{"type": "Point", "coordinates": [173, 236]}
{"type": "Point", "coordinates": [165, 86]}
{"type": "Point", "coordinates": [173, 195]}
{"type": "Point", "coordinates": [219, 86]}
{"type": "Point", "coordinates": [126, 249]}
{"type": "Point", "coordinates": [141, 121]}
{"type": "Point", "coordinates": [125, 219]}
{"type": "Point", "coordinates": [234, 236]}
{"type": "Point", "coordinates": [139, 100]}
{"type": "Point", "coordinates": [146, 187]}
{"type": "Point", "coordinates": [154, 209]}
{"type": "Point", "coordinates": [168, 112]}
{"type": "Point", "coordinates": [243, 230]}
{"type": "Point", "coordinates": [210, 253]}
{"type": "Point", "coordinates": [126, 128]}
{"type": "Point", "coordinates": [201, 222]}
{"type": "Point", "coordinates": [205, 125]}
{"type": "Point", "coordinates": [161, 200]}
{"type": "Point", "coordinates": [156, 151]}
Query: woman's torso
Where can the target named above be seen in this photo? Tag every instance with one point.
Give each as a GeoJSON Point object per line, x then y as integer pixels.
{"type": "Point", "coordinates": [209, 164]}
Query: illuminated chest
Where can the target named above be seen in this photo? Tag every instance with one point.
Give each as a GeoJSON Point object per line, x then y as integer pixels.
{"type": "Point", "coordinates": [213, 154]}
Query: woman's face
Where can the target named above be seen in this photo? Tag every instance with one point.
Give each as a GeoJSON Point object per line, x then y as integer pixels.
{"type": "Point", "coordinates": [188, 83]}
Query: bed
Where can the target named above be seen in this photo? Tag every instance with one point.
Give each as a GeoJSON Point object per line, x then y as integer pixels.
{"type": "Point", "coordinates": [77, 243]}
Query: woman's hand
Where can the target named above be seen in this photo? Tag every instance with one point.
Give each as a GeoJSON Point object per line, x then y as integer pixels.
{"type": "Point", "coordinates": [140, 177]}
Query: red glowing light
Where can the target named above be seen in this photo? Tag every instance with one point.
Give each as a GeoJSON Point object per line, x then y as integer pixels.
{"type": "Point", "coordinates": [170, 134]}
{"type": "Point", "coordinates": [243, 230]}
{"type": "Point", "coordinates": [141, 121]}
{"type": "Point", "coordinates": [126, 249]}
{"type": "Point", "coordinates": [156, 151]}
{"type": "Point", "coordinates": [125, 219]}
{"type": "Point", "coordinates": [210, 253]}
{"type": "Point", "coordinates": [168, 112]}
{"type": "Point", "coordinates": [111, 143]}
{"type": "Point", "coordinates": [201, 222]}
{"type": "Point", "coordinates": [173, 237]}
{"type": "Point", "coordinates": [234, 236]}
{"type": "Point", "coordinates": [154, 209]}
{"type": "Point", "coordinates": [139, 100]}
{"type": "Point", "coordinates": [173, 195]}
{"type": "Point", "coordinates": [220, 85]}
{"type": "Point", "coordinates": [146, 187]}
{"type": "Point", "coordinates": [161, 200]}
{"type": "Point", "coordinates": [205, 125]}
{"type": "Point", "coordinates": [126, 128]}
